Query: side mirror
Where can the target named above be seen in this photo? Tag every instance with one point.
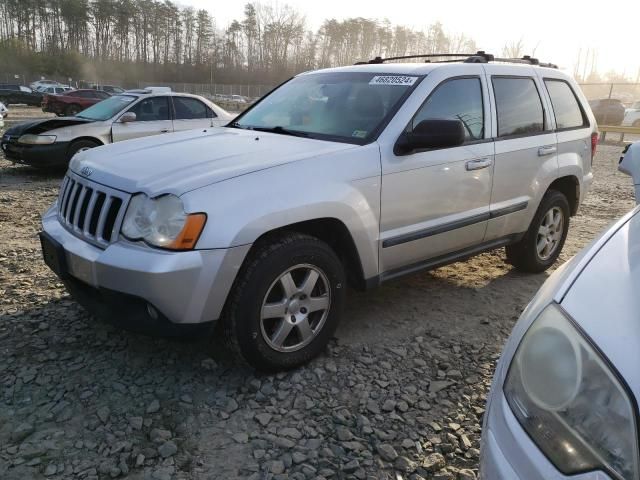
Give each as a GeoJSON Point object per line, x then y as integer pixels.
{"type": "Point", "coordinates": [431, 134]}
{"type": "Point", "coordinates": [630, 164]}
{"type": "Point", "coordinates": [128, 117]}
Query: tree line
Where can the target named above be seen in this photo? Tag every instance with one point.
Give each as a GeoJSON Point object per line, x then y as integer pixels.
{"type": "Point", "coordinates": [127, 40]}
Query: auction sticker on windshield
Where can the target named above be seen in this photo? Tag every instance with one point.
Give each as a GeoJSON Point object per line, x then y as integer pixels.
{"type": "Point", "coordinates": [393, 80]}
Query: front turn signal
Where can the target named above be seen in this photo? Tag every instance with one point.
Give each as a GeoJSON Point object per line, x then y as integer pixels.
{"type": "Point", "coordinates": [188, 237]}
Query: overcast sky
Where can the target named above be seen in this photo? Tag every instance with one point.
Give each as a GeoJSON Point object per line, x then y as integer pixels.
{"type": "Point", "coordinates": [558, 28]}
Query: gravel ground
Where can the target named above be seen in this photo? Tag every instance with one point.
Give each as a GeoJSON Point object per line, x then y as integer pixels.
{"type": "Point", "coordinates": [399, 393]}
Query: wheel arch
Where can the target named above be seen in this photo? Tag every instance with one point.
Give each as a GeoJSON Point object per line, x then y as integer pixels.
{"type": "Point", "coordinates": [333, 232]}
{"type": "Point", "coordinates": [569, 186]}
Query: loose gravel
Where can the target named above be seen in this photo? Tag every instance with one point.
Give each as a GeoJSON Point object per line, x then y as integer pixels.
{"type": "Point", "coordinates": [399, 393]}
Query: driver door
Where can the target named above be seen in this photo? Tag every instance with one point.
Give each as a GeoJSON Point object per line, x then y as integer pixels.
{"type": "Point", "coordinates": [152, 118]}
{"type": "Point", "coordinates": [436, 202]}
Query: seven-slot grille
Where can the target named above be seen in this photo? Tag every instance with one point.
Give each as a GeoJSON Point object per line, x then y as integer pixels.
{"type": "Point", "coordinates": [91, 211]}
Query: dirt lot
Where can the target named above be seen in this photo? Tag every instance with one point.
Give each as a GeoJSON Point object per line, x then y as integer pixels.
{"type": "Point", "coordinates": [399, 393]}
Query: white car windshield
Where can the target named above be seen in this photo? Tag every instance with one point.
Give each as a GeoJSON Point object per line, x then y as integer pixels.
{"type": "Point", "coordinates": [341, 106]}
{"type": "Point", "coordinates": [106, 109]}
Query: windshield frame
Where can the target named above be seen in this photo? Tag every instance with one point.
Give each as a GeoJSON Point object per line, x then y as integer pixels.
{"type": "Point", "coordinates": [372, 137]}
{"type": "Point", "coordinates": [116, 114]}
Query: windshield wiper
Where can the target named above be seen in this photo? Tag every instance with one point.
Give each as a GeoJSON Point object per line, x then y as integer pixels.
{"type": "Point", "coordinates": [281, 130]}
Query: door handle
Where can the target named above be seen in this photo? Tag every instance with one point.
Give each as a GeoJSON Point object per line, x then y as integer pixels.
{"type": "Point", "coordinates": [478, 164]}
{"type": "Point", "coordinates": [547, 150]}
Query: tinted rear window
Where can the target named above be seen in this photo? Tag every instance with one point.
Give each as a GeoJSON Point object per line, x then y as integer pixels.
{"type": "Point", "coordinates": [565, 104]}
{"type": "Point", "coordinates": [519, 106]}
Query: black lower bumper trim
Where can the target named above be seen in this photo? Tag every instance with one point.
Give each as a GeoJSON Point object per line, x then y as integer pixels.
{"type": "Point", "coordinates": [130, 312]}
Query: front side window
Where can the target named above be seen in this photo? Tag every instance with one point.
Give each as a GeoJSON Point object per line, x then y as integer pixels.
{"type": "Point", "coordinates": [340, 106]}
{"type": "Point", "coordinates": [152, 109]}
{"type": "Point", "coordinates": [190, 109]}
{"type": "Point", "coordinates": [108, 108]}
{"type": "Point", "coordinates": [457, 99]}
{"type": "Point", "coordinates": [518, 106]}
{"type": "Point", "coordinates": [565, 104]}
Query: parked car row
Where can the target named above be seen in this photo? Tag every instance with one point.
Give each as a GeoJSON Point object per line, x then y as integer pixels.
{"type": "Point", "coordinates": [73, 102]}
{"type": "Point", "coordinates": [11, 94]}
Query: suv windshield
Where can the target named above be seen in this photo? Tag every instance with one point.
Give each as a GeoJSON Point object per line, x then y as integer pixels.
{"type": "Point", "coordinates": [106, 109]}
{"type": "Point", "coordinates": [348, 107]}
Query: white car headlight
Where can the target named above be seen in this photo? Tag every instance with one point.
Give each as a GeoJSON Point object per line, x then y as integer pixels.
{"type": "Point", "coordinates": [31, 139]}
{"type": "Point", "coordinates": [570, 401]}
{"type": "Point", "coordinates": [162, 222]}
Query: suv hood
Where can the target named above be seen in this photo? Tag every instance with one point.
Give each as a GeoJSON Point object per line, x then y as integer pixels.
{"type": "Point", "coordinates": [179, 162]}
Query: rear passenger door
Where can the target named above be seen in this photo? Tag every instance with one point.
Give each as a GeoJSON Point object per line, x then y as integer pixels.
{"type": "Point", "coordinates": [152, 118]}
{"type": "Point", "coordinates": [573, 130]}
{"type": "Point", "coordinates": [526, 160]}
{"type": "Point", "coordinates": [190, 113]}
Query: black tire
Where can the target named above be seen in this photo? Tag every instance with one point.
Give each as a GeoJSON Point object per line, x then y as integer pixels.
{"type": "Point", "coordinates": [79, 145]}
{"type": "Point", "coordinates": [73, 110]}
{"type": "Point", "coordinates": [524, 255]}
{"type": "Point", "coordinates": [241, 320]}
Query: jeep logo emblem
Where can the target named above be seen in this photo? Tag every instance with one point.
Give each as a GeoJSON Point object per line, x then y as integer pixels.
{"type": "Point", "coordinates": [86, 171]}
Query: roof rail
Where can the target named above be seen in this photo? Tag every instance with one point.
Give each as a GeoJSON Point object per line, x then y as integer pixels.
{"type": "Point", "coordinates": [479, 57]}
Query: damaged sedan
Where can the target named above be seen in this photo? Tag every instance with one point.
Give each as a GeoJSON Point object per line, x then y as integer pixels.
{"type": "Point", "coordinates": [51, 143]}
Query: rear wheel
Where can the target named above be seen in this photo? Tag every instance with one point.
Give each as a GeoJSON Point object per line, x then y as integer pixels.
{"type": "Point", "coordinates": [543, 242]}
{"type": "Point", "coordinates": [73, 110]}
{"type": "Point", "coordinates": [286, 303]}
{"type": "Point", "coordinates": [80, 146]}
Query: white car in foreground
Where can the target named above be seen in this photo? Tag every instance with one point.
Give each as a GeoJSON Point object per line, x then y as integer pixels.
{"type": "Point", "coordinates": [564, 399]}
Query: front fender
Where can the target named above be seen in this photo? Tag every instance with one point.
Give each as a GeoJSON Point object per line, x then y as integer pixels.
{"type": "Point", "coordinates": [344, 186]}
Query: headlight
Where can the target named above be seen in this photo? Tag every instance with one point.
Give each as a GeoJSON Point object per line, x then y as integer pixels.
{"type": "Point", "coordinates": [570, 402]}
{"type": "Point", "coordinates": [162, 222]}
{"type": "Point", "coordinates": [31, 139]}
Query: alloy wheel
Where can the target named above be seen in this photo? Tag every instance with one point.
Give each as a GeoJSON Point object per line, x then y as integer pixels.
{"type": "Point", "coordinates": [550, 233]}
{"type": "Point", "coordinates": [295, 308]}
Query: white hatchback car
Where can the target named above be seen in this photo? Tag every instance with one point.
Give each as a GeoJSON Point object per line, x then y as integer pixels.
{"type": "Point", "coordinates": [564, 400]}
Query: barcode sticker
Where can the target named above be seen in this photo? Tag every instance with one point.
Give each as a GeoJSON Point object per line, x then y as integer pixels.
{"type": "Point", "coordinates": [393, 80]}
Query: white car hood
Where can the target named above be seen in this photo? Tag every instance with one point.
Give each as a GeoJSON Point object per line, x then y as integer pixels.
{"type": "Point", "coordinates": [180, 162]}
{"type": "Point", "coordinates": [604, 300]}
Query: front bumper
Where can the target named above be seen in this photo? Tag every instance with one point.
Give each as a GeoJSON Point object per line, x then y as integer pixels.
{"type": "Point", "coordinates": [44, 156]}
{"type": "Point", "coordinates": [507, 452]}
{"type": "Point", "coordinates": [183, 287]}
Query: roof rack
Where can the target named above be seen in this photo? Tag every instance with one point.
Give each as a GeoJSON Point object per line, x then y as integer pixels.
{"type": "Point", "coordinates": [479, 57]}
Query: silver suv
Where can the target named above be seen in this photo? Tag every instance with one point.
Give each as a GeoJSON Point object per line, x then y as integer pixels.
{"type": "Point", "coordinates": [346, 176]}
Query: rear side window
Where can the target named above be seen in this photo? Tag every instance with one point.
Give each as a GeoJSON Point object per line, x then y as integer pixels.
{"type": "Point", "coordinates": [565, 105]}
{"type": "Point", "coordinates": [190, 109]}
{"type": "Point", "coordinates": [457, 99]}
{"type": "Point", "coordinates": [518, 106]}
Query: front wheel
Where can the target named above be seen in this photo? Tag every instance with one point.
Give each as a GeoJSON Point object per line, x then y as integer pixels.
{"type": "Point", "coordinates": [80, 146]}
{"type": "Point", "coordinates": [543, 242]}
{"type": "Point", "coordinates": [286, 302]}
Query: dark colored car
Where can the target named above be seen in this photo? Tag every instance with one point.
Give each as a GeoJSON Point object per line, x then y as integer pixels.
{"type": "Point", "coordinates": [608, 111]}
{"type": "Point", "coordinates": [73, 102]}
{"type": "Point", "coordinates": [11, 94]}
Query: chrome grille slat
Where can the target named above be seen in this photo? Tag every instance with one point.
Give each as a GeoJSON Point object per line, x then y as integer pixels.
{"type": "Point", "coordinates": [76, 213]}
{"type": "Point", "coordinates": [89, 213]}
{"type": "Point", "coordinates": [70, 202]}
{"type": "Point", "coordinates": [103, 219]}
{"type": "Point", "coordinates": [86, 208]}
{"type": "Point", "coordinates": [65, 201]}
